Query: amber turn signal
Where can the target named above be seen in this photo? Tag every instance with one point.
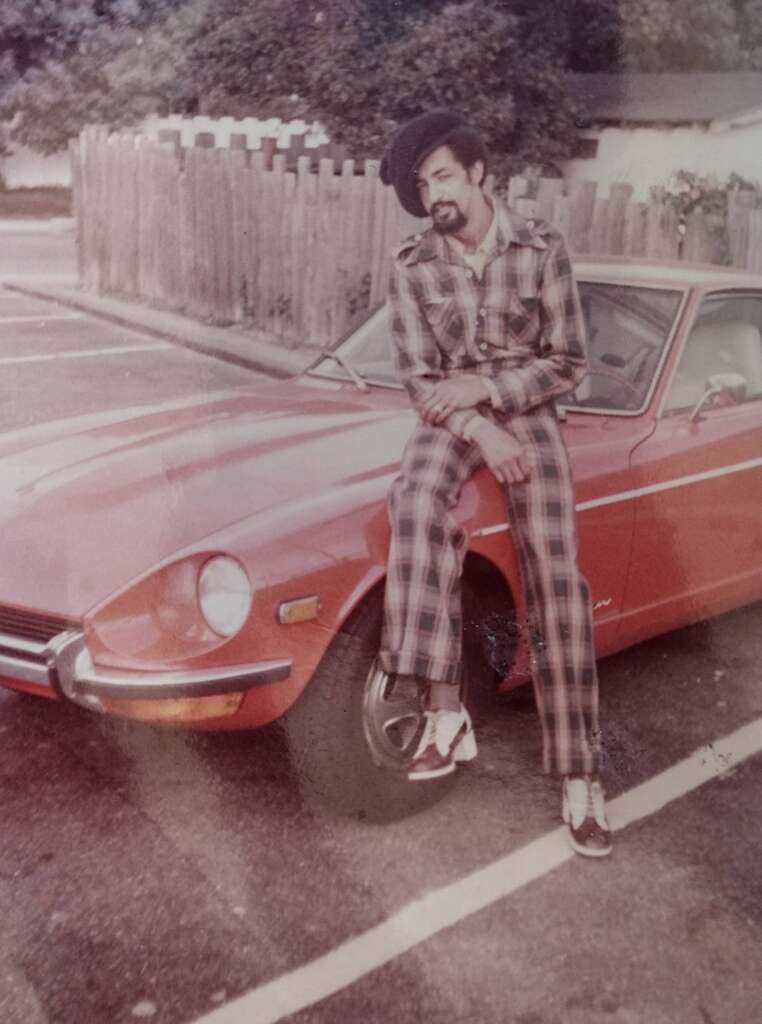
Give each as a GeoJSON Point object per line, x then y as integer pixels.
{"type": "Point", "coordinates": [176, 709]}
{"type": "Point", "coordinates": [299, 610]}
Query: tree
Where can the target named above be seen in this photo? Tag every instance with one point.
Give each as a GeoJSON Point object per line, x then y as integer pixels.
{"type": "Point", "coordinates": [363, 67]}
{"type": "Point", "coordinates": [680, 35]}
{"type": "Point", "coordinates": [32, 31]}
{"type": "Point", "coordinates": [750, 30]}
{"type": "Point", "coordinates": [93, 62]}
{"type": "Point", "coordinates": [360, 66]}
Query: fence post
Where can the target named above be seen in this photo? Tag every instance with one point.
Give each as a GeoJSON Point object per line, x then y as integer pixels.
{"type": "Point", "coordinates": [239, 223]}
{"type": "Point", "coordinates": [700, 243]}
{"type": "Point", "coordinates": [662, 235]}
{"type": "Point", "coordinates": [222, 223]}
{"type": "Point", "coordinates": [186, 231]}
{"type": "Point", "coordinates": [269, 150]}
{"type": "Point", "coordinates": [755, 241]}
{"type": "Point", "coordinates": [598, 226]}
{"type": "Point", "coordinates": [547, 191]}
{"type": "Point", "coordinates": [582, 206]}
{"type": "Point", "coordinates": [378, 244]}
{"type": "Point", "coordinates": [635, 229]}
{"type": "Point", "coordinates": [740, 206]}
{"type": "Point", "coordinates": [619, 201]}
{"type": "Point", "coordinates": [78, 205]}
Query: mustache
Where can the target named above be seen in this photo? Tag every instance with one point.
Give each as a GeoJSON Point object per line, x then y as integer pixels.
{"type": "Point", "coordinates": [442, 204]}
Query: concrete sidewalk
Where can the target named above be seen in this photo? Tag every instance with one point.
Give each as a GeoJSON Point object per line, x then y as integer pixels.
{"type": "Point", "coordinates": [251, 349]}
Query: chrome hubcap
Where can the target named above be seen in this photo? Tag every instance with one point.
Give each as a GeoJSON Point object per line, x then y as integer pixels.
{"type": "Point", "coordinates": [392, 719]}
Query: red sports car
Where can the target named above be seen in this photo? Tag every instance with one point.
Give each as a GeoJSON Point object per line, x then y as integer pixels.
{"type": "Point", "coordinates": [219, 562]}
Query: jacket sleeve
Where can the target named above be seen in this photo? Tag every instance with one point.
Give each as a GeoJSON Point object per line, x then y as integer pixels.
{"type": "Point", "coordinates": [561, 362]}
{"type": "Point", "coordinates": [417, 355]}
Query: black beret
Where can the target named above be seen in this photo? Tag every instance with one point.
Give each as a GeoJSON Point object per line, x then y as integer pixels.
{"type": "Point", "coordinates": [413, 143]}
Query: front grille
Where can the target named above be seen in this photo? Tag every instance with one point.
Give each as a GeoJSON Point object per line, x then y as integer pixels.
{"type": "Point", "coordinates": [31, 626]}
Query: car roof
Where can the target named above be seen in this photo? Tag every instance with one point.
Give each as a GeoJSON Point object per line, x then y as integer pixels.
{"type": "Point", "coordinates": [677, 273]}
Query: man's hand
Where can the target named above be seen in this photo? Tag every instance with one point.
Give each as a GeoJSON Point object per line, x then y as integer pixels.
{"type": "Point", "coordinates": [503, 454]}
{"type": "Point", "coordinates": [446, 396]}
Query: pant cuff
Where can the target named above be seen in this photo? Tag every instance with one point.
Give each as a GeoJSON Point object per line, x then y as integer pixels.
{"type": "Point", "coordinates": [435, 670]}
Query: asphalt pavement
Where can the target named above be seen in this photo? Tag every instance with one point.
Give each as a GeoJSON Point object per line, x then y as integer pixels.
{"type": "Point", "coordinates": [155, 874]}
{"type": "Point", "coordinates": [38, 259]}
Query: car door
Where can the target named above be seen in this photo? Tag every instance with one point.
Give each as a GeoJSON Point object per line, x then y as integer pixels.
{"type": "Point", "coordinates": [697, 547]}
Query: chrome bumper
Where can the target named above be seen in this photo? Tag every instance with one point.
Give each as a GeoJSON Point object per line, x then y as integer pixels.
{"type": "Point", "coordinates": [63, 665]}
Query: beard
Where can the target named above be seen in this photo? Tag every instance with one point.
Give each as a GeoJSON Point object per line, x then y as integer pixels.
{"type": "Point", "coordinates": [447, 218]}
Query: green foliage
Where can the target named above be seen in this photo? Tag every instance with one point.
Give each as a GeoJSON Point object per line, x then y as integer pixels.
{"type": "Point", "coordinates": [680, 35]}
{"type": "Point", "coordinates": [750, 30]}
{"type": "Point", "coordinates": [108, 62]}
{"type": "Point", "coordinates": [363, 68]}
{"type": "Point", "coordinates": [690, 193]}
{"type": "Point", "coordinates": [360, 66]}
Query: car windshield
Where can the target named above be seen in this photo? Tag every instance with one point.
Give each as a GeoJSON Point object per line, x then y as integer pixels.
{"type": "Point", "coordinates": [628, 328]}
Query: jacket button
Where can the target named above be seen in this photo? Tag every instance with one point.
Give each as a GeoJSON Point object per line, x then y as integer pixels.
{"type": "Point", "coordinates": [483, 346]}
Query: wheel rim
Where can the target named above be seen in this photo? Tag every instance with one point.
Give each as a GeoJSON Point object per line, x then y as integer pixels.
{"type": "Point", "coordinates": [392, 718]}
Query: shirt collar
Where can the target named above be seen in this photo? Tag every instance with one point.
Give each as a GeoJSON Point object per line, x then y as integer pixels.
{"type": "Point", "coordinates": [506, 228]}
{"type": "Point", "coordinates": [486, 245]}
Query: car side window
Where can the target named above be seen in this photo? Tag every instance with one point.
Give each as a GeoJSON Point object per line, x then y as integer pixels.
{"type": "Point", "coordinates": [725, 345]}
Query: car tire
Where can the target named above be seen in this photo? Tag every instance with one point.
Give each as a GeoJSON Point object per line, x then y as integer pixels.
{"type": "Point", "coordinates": [337, 731]}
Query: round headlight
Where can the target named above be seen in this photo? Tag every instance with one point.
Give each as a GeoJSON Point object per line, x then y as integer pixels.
{"type": "Point", "coordinates": [224, 594]}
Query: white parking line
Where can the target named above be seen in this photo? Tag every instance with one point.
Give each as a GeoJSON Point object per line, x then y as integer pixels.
{"type": "Point", "coordinates": [116, 350]}
{"type": "Point", "coordinates": [42, 318]}
{"type": "Point", "coordinates": [444, 907]}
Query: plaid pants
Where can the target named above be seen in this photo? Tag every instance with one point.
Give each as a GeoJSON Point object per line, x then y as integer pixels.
{"type": "Point", "coordinates": [422, 618]}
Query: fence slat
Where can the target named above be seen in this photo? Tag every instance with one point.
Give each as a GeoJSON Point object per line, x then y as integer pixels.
{"type": "Point", "coordinates": [223, 221]}
{"type": "Point", "coordinates": [635, 229]}
{"type": "Point", "coordinates": [186, 232]}
{"type": "Point", "coordinates": [619, 200]}
{"type": "Point", "coordinates": [755, 241]}
{"type": "Point", "coordinates": [78, 208]}
{"type": "Point", "coordinates": [598, 229]}
{"type": "Point", "coordinates": [547, 190]}
{"type": "Point", "coordinates": [582, 196]}
{"type": "Point", "coordinates": [740, 207]}
{"type": "Point", "coordinates": [253, 252]}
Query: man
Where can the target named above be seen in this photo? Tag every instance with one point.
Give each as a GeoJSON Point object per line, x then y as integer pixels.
{"type": "Point", "coordinates": [488, 332]}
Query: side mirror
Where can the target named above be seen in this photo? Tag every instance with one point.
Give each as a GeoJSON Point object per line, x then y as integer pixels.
{"type": "Point", "coordinates": [733, 385]}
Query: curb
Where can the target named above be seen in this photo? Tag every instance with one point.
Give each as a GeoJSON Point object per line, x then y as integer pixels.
{"type": "Point", "coordinates": [55, 225]}
{"type": "Point", "coordinates": [249, 349]}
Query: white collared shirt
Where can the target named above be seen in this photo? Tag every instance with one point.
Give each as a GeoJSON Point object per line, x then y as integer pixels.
{"type": "Point", "coordinates": [477, 259]}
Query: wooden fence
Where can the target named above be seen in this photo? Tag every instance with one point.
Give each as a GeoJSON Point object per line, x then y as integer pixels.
{"type": "Point", "coordinates": [298, 245]}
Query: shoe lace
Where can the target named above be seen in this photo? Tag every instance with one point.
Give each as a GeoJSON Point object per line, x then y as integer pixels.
{"type": "Point", "coordinates": [586, 800]}
{"type": "Point", "coordinates": [596, 804]}
{"type": "Point", "coordinates": [433, 729]}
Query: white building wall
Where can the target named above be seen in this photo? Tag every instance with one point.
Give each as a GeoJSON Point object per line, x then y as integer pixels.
{"type": "Point", "coordinates": [644, 157]}
{"type": "Point", "coordinates": [26, 169]}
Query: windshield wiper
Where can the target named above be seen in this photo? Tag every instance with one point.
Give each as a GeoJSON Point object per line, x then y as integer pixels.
{"type": "Point", "coordinates": [357, 380]}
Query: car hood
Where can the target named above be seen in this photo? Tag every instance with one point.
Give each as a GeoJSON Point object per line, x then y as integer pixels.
{"type": "Point", "coordinates": [88, 504]}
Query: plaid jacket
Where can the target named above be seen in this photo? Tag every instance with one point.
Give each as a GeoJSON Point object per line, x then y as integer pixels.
{"type": "Point", "coordinates": [520, 325]}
